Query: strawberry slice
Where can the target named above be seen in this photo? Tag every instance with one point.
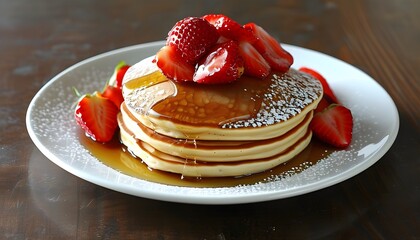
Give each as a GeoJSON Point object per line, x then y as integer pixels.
{"type": "Point", "coordinates": [323, 104]}
{"type": "Point", "coordinates": [192, 37]}
{"type": "Point", "coordinates": [118, 75]}
{"type": "Point", "coordinates": [328, 93]}
{"type": "Point", "coordinates": [114, 94]}
{"type": "Point", "coordinates": [173, 65]}
{"type": "Point", "coordinates": [278, 58]}
{"type": "Point", "coordinates": [254, 64]}
{"type": "Point", "coordinates": [334, 125]}
{"type": "Point", "coordinates": [229, 28]}
{"type": "Point", "coordinates": [222, 65]}
{"type": "Point", "coordinates": [97, 116]}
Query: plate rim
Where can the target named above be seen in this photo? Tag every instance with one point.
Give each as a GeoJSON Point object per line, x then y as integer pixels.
{"type": "Point", "coordinates": [209, 199]}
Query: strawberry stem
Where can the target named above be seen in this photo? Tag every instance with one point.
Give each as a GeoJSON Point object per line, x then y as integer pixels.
{"type": "Point", "coordinates": [76, 92]}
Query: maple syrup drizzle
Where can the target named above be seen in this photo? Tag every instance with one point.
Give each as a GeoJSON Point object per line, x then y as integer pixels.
{"type": "Point", "coordinates": [200, 104]}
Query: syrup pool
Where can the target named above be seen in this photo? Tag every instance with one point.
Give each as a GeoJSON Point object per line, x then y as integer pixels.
{"type": "Point", "coordinates": [115, 155]}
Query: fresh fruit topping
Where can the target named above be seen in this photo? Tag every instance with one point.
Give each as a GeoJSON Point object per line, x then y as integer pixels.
{"type": "Point", "coordinates": [332, 122]}
{"type": "Point", "coordinates": [97, 113]}
{"type": "Point", "coordinates": [114, 94]}
{"type": "Point", "coordinates": [334, 125]}
{"type": "Point", "coordinates": [254, 64]}
{"type": "Point", "coordinates": [192, 37]}
{"type": "Point", "coordinates": [229, 28]}
{"type": "Point", "coordinates": [97, 116]}
{"type": "Point", "coordinates": [191, 51]}
{"type": "Point", "coordinates": [328, 93]}
{"type": "Point", "coordinates": [172, 65]}
{"type": "Point", "coordinates": [118, 75]}
{"type": "Point", "coordinates": [222, 65]}
{"type": "Point", "coordinates": [323, 104]}
{"type": "Point", "coordinates": [278, 58]}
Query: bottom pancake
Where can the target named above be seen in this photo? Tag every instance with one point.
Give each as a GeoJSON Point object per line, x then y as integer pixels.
{"type": "Point", "coordinates": [194, 168]}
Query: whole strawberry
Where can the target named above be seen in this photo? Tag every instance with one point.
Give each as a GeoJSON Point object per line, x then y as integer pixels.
{"type": "Point", "coordinates": [192, 37]}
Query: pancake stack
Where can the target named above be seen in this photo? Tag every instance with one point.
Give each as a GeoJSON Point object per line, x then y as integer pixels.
{"type": "Point", "coordinates": [236, 129]}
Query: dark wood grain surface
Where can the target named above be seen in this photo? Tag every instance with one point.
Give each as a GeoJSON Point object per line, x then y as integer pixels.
{"type": "Point", "coordinates": [39, 200]}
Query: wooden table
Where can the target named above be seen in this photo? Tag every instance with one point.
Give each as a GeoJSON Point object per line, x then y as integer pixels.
{"type": "Point", "coordinates": [39, 200]}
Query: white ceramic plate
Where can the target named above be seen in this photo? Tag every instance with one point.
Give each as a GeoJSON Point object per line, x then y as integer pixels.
{"type": "Point", "coordinates": [51, 126]}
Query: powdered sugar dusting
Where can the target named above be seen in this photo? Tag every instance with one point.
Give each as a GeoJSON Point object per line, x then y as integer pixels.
{"type": "Point", "coordinates": [287, 96]}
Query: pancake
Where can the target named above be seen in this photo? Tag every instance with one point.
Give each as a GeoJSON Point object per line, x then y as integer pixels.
{"type": "Point", "coordinates": [240, 128]}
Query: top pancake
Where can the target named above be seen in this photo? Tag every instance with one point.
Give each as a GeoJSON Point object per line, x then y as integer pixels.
{"type": "Point", "coordinates": [261, 108]}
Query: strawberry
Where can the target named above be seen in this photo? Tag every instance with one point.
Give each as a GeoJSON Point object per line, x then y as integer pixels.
{"type": "Point", "coordinates": [173, 65]}
{"type": "Point", "coordinates": [278, 58]}
{"type": "Point", "coordinates": [97, 116]}
{"type": "Point", "coordinates": [222, 65]}
{"type": "Point", "coordinates": [118, 75]}
{"type": "Point", "coordinates": [114, 94]}
{"type": "Point", "coordinates": [334, 125]}
{"type": "Point", "coordinates": [192, 37]}
{"type": "Point", "coordinates": [328, 93]}
{"type": "Point", "coordinates": [323, 104]}
{"type": "Point", "coordinates": [254, 64]}
{"type": "Point", "coordinates": [229, 28]}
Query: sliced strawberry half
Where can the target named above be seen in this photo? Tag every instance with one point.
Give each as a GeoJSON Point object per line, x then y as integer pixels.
{"type": "Point", "coordinates": [222, 65]}
{"type": "Point", "coordinates": [114, 94]}
{"type": "Point", "coordinates": [192, 37]}
{"type": "Point", "coordinates": [229, 28]}
{"type": "Point", "coordinates": [97, 116]}
{"type": "Point", "coordinates": [278, 58]}
{"type": "Point", "coordinates": [255, 65]}
{"type": "Point", "coordinates": [334, 126]}
{"type": "Point", "coordinates": [173, 65]}
{"type": "Point", "coordinates": [328, 93]}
